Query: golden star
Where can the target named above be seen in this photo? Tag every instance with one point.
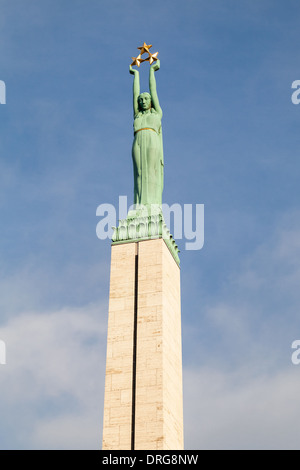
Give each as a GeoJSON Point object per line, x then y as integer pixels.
{"type": "Point", "coordinates": [152, 57]}
{"type": "Point", "coordinates": [137, 60]}
{"type": "Point", "coordinates": [145, 48]}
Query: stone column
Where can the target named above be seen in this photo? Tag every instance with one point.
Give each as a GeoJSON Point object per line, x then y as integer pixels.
{"type": "Point", "coordinates": [143, 385]}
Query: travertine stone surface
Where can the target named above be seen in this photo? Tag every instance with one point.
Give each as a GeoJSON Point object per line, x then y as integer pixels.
{"type": "Point", "coordinates": [158, 415]}
{"type": "Point", "coordinates": [118, 379]}
{"type": "Point", "coordinates": [158, 395]}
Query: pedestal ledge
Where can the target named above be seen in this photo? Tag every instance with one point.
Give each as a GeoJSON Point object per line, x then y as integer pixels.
{"type": "Point", "coordinates": [143, 224]}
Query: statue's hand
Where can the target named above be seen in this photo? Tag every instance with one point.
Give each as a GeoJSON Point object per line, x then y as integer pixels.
{"type": "Point", "coordinates": [132, 71]}
{"type": "Point", "coordinates": [156, 66]}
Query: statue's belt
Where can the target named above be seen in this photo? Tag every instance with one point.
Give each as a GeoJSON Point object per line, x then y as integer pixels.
{"type": "Point", "coordinates": [145, 129]}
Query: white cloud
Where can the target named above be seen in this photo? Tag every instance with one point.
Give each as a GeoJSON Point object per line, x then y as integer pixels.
{"type": "Point", "coordinates": [233, 411]}
{"type": "Point", "coordinates": [52, 385]}
{"type": "Point", "coordinates": [258, 305]}
{"type": "Point", "coordinates": [243, 394]}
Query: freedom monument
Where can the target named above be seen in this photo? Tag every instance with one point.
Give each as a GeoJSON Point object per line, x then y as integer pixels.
{"type": "Point", "coordinates": [143, 407]}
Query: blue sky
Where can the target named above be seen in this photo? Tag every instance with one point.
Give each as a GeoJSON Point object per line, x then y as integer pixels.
{"type": "Point", "coordinates": [231, 142]}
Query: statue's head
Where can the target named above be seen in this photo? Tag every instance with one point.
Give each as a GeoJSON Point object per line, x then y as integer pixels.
{"type": "Point", "coordinates": [144, 101]}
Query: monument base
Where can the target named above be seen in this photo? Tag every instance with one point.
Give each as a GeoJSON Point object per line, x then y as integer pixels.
{"type": "Point", "coordinates": [143, 384]}
{"type": "Point", "coordinates": [145, 223]}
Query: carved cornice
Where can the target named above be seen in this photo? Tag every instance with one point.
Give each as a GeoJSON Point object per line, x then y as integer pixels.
{"type": "Point", "coordinates": [145, 227]}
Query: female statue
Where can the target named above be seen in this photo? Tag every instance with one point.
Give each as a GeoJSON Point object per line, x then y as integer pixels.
{"type": "Point", "coordinates": [147, 148]}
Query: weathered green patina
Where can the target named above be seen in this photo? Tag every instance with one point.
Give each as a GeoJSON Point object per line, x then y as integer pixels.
{"type": "Point", "coordinates": [146, 220]}
{"type": "Point", "coordinates": [147, 148]}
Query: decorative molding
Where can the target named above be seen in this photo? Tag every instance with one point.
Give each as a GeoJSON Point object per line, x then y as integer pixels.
{"type": "Point", "coordinates": [140, 226]}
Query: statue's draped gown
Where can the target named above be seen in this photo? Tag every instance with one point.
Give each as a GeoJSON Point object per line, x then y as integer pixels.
{"type": "Point", "coordinates": [147, 154]}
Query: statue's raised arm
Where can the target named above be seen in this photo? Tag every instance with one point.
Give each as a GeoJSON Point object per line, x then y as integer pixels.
{"type": "Point", "coordinates": [152, 87]}
{"type": "Point", "coordinates": [136, 89]}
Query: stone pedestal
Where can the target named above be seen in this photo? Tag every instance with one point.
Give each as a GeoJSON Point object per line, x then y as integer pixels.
{"type": "Point", "coordinates": [143, 384]}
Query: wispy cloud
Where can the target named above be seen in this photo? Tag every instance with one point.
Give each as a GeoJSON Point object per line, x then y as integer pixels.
{"type": "Point", "coordinates": [52, 384]}
{"type": "Point", "coordinates": [241, 389]}
{"type": "Point", "coordinates": [231, 411]}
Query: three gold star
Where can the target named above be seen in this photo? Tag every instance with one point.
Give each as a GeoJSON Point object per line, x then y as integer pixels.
{"type": "Point", "coordinates": [144, 49]}
{"type": "Point", "coordinates": [152, 57]}
{"type": "Point", "coordinates": [137, 60]}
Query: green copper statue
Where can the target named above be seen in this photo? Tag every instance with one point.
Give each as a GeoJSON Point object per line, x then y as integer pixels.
{"type": "Point", "coordinates": [145, 221]}
{"type": "Point", "coordinates": [147, 149]}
